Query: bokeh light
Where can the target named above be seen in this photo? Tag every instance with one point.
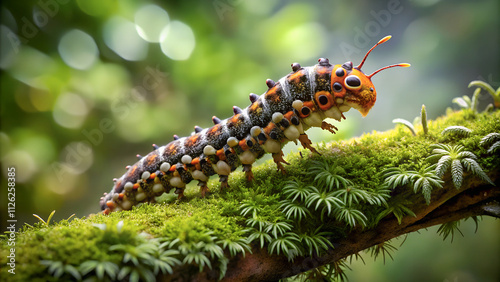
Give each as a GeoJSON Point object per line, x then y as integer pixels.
{"type": "Point", "coordinates": [177, 41]}
{"type": "Point", "coordinates": [310, 36]}
{"type": "Point", "coordinates": [150, 20]}
{"type": "Point", "coordinates": [20, 159]}
{"type": "Point", "coordinates": [121, 36]}
{"type": "Point", "coordinates": [78, 156]}
{"type": "Point", "coordinates": [9, 46]}
{"type": "Point", "coordinates": [70, 110]}
{"type": "Point", "coordinates": [29, 65]}
{"type": "Point", "coordinates": [78, 49]}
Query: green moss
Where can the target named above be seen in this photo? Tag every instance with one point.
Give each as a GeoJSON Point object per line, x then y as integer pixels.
{"type": "Point", "coordinates": [217, 217]}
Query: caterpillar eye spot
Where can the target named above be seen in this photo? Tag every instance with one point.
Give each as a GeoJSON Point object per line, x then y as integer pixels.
{"type": "Point", "coordinates": [305, 111]}
{"type": "Point", "coordinates": [323, 100]}
{"type": "Point", "coordinates": [249, 143]}
{"type": "Point", "coordinates": [371, 89]}
{"type": "Point", "coordinates": [262, 137]}
{"type": "Point", "coordinates": [353, 82]}
{"type": "Point", "coordinates": [340, 72]}
{"type": "Point", "coordinates": [285, 123]}
{"type": "Point", "coordinates": [337, 87]}
{"type": "Point", "coordinates": [295, 120]}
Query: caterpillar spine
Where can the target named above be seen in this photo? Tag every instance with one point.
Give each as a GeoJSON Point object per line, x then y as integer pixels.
{"type": "Point", "coordinates": [296, 102]}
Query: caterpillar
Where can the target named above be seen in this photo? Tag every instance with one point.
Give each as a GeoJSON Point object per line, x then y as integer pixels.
{"type": "Point", "coordinates": [298, 101]}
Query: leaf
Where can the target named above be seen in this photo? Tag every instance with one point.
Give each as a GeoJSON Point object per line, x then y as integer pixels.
{"type": "Point", "coordinates": [223, 262]}
{"type": "Point", "coordinates": [124, 271]}
{"type": "Point", "coordinates": [250, 207]}
{"type": "Point", "coordinates": [286, 245]}
{"type": "Point", "coordinates": [214, 250]}
{"type": "Point", "coordinates": [426, 191]}
{"type": "Point", "coordinates": [166, 260]}
{"type": "Point", "coordinates": [473, 166]}
{"type": "Point", "coordinates": [73, 271]}
{"type": "Point", "coordinates": [352, 216]}
{"type": "Point", "coordinates": [395, 177]}
{"type": "Point", "coordinates": [198, 258]}
{"type": "Point", "coordinates": [261, 235]}
{"type": "Point", "coordinates": [457, 172]}
{"type": "Point", "coordinates": [398, 209]}
{"type": "Point", "coordinates": [426, 179]}
{"type": "Point", "coordinates": [466, 154]}
{"type": "Point", "coordinates": [489, 139]}
{"type": "Point", "coordinates": [294, 210]}
{"type": "Point", "coordinates": [99, 267]}
{"type": "Point", "coordinates": [475, 100]}
{"type": "Point", "coordinates": [443, 164]}
{"type": "Point", "coordinates": [236, 246]}
{"type": "Point", "coordinates": [46, 223]}
{"type": "Point", "coordinates": [256, 220]}
{"type": "Point", "coordinates": [423, 120]}
{"type": "Point", "coordinates": [463, 102]}
{"type": "Point", "coordinates": [316, 242]}
{"type": "Point", "coordinates": [406, 123]}
{"type": "Point", "coordinates": [449, 228]}
{"type": "Point", "coordinates": [458, 130]}
{"type": "Point", "coordinates": [494, 147]}
{"type": "Point", "coordinates": [383, 249]}
{"type": "Point", "coordinates": [278, 227]}
{"type": "Point", "coordinates": [296, 191]}
{"type": "Point", "coordinates": [325, 201]}
{"type": "Point", "coordinates": [485, 86]}
{"type": "Point", "coordinates": [327, 177]}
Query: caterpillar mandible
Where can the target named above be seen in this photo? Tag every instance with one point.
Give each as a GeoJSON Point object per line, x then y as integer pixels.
{"type": "Point", "coordinates": [298, 101]}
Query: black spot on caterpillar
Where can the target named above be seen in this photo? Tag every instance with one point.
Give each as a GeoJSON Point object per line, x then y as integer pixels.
{"type": "Point", "coordinates": [296, 102]}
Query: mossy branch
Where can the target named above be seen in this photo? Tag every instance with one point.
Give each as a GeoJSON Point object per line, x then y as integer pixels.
{"type": "Point", "coordinates": [448, 205]}
{"type": "Point", "coordinates": [359, 193]}
{"type": "Point", "coordinates": [478, 194]}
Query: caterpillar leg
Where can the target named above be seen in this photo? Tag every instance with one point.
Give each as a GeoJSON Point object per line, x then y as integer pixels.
{"type": "Point", "coordinates": [180, 193]}
{"type": "Point", "coordinates": [278, 159]}
{"type": "Point", "coordinates": [223, 169]}
{"type": "Point", "coordinates": [203, 188]}
{"type": "Point", "coordinates": [248, 172]}
{"type": "Point", "coordinates": [330, 127]}
{"type": "Point", "coordinates": [223, 182]}
{"type": "Point", "coordinates": [306, 143]}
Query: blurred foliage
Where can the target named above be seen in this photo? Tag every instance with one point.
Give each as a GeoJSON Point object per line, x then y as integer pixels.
{"type": "Point", "coordinates": [87, 84]}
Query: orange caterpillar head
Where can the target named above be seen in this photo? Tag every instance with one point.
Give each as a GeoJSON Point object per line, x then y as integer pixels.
{"type": "Point", "coordinates": [354, 86]}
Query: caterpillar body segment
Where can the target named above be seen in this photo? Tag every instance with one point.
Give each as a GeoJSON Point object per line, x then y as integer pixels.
{"type": "Point", "coordinates": [291, 105]}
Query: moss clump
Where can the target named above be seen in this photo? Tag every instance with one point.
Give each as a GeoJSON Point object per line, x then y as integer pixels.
{"type": "Point", "coordinates": [203, 233]}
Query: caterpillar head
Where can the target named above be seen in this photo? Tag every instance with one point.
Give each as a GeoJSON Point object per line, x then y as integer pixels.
{"type": "Point", "coordinates": [354, 86]}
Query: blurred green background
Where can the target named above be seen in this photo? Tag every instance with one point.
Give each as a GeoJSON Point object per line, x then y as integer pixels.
{"type": "Point", "coordinates": [87, 84]}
